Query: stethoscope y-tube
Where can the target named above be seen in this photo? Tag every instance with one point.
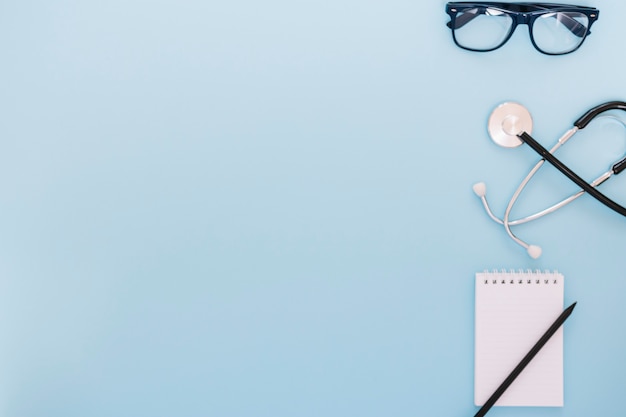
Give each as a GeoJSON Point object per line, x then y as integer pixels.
{"type": "Point", "coordinates": [510, 125]}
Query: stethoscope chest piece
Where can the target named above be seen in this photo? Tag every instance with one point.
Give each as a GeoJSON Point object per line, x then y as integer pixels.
{"type": "Point", "coordinates": [507, 121]}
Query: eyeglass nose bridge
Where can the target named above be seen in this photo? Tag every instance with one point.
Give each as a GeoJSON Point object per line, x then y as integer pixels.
{"type": "Point", "coordinates": [528, 19]}
{"type": "Point", "coordinates": [523, 18]}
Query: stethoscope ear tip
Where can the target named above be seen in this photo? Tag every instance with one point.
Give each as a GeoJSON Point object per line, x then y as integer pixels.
{"type": "Point", "coordinates": [534, 251]}
{"type": "Point", "coordinates": [480, 189]}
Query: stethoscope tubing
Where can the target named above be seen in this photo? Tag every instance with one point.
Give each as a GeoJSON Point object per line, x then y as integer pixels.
{"type": "Point", "coordinates": [591, 114]}
{"type": "Point", "coordinates": [565, 170]}
{"type": "Point", "coordinates": [545, 211]}
{"type": "Point", "coordinates": [595, 183]}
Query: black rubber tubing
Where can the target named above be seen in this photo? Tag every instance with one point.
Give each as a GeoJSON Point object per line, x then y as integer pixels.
{"type": "Point", "coordinates": [545, 154]}
{"type": "Point", "coordinates": [584, 120]}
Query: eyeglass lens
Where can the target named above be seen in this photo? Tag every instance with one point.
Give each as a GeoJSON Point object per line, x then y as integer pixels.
{"type": "Point", "coordinates": [560, 32]}
{"type": "Point", "coordinates": [483, 29]}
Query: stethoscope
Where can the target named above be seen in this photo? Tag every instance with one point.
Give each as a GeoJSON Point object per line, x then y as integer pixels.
{"type": "Point", "coordinates": [509, 126]}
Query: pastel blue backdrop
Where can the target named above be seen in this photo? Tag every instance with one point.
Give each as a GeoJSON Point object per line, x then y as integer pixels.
{"type": "Point", "coordinates": [250, 208]}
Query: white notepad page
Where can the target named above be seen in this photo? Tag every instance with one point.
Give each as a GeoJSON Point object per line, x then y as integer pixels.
{"type": "Point", "coordinates": [513, 310]}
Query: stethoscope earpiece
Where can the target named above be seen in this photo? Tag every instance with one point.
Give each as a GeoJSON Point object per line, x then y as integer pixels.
{"type": "Point", "coordinates": [534, 251]}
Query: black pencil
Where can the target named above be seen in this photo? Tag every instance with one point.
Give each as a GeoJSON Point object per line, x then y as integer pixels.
{"type": "Point", "coordinates": [529, 356]}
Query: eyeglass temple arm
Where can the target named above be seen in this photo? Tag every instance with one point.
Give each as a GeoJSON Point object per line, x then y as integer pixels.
{"type": "Point", "coordinates": [572, 24]}
{"type": "Point", "coordinates": [467, 16]}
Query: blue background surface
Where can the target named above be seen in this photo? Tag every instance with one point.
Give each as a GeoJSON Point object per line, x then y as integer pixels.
{"type": "Point", "coordinates": [254, 208]}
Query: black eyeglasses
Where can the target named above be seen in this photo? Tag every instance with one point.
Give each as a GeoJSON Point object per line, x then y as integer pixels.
{"type": "Point", "coordinates": [555, 29]}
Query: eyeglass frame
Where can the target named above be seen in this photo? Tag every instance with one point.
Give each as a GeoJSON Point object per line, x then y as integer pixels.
{"type": "Point", "coordinates": [521, 13]}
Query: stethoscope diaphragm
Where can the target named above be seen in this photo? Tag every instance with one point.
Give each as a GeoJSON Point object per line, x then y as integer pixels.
{"type": "Point", "coordinates": [507, 121]}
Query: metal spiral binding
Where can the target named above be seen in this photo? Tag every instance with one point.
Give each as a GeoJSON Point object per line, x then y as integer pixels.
{"type": "Point", "coordinates": [521, 277]}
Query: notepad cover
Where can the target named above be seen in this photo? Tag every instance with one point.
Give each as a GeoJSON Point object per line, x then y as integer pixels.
{"type": "Point", "coordinates": [513, 310]}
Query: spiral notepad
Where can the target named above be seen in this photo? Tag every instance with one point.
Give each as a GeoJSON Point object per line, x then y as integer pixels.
{"type": "Point", "coordinates": [513, 310]}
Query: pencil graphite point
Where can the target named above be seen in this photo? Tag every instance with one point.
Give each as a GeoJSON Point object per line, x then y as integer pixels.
{"type": "Point", "coordinates": [571, 308]}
